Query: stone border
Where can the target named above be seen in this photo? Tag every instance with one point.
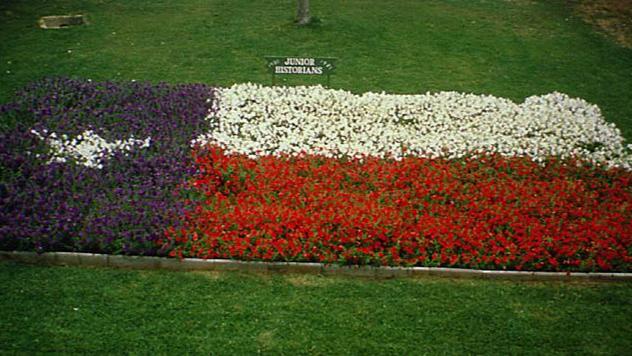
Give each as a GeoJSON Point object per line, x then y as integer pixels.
{"type": "Point", "coordinates": [61, 21]}
{"type": "Point", "coordinates": [196, 264]}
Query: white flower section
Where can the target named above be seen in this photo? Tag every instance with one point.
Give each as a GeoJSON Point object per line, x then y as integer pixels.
{"type": "Point", "coordinates": [256, 120]}
{"type": "Point", "coordinates": [88, 148]}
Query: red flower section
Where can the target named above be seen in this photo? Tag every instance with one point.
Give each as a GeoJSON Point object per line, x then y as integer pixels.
{"type": "Point", "coordinates": [486, 212]}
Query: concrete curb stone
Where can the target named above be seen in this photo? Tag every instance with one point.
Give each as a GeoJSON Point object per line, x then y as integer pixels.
{"type": "Point", "coordinates": [195, 264]}
{"type": "Point", "coordinates": [93, 260]}
{"type": "Point", "coordinates": [140, 262]}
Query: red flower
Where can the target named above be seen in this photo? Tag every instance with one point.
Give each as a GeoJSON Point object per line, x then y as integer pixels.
{"type": "Point", "coordinates": [486, 212]}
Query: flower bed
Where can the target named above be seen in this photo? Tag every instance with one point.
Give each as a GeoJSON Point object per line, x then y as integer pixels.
{"type": "Point", "coordinates": [486, 212]}
{"type": "Point", "coordinates": [255, 120]}
{"type": "Point", "coordinates": [308, 174]}
{"type": "Point", "coordinates": [103, 191]}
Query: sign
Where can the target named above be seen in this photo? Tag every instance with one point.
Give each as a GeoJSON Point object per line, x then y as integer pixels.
{"type": "Point", "coordinates": [301, 65]}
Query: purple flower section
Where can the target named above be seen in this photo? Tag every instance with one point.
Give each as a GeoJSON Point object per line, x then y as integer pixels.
{"type": "Point", "coordinates": [123, 208]}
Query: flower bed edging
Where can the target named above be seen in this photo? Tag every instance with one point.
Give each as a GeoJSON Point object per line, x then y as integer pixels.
{"type": "Point", "coordinates": [195, 264]}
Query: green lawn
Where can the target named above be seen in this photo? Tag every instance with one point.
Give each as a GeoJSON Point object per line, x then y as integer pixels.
{"type": "Point", "coordinates": [512, 49]}
{"type": "Point", "coordinates": [81, 310]}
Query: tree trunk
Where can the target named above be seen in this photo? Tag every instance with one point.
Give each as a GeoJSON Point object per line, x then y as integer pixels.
{"type": "Point", "coordinates": [302, 13]}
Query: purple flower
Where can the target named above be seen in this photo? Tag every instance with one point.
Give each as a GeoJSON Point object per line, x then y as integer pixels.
{"type": "Point", "coordinates": [123, 207]}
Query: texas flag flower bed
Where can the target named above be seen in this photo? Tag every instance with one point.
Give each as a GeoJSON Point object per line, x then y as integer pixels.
{"type": "Point", "coordinates": [315, 175]}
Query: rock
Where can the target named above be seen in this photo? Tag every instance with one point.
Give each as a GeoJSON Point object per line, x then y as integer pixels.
{"type": "Point", "coordinates": [55, 22]}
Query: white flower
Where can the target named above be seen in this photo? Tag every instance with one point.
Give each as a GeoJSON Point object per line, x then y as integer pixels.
{"type": "Point", "coordinates": [87, 148]}
{"type": "Point", "coordinates": [255, 120]}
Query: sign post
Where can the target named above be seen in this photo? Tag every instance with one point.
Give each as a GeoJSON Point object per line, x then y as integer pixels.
{"type": "Point", "coordinates": [301, 65]}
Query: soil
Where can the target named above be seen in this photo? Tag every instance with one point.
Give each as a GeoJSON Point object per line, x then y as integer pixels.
{"type": "Point", "coordinates": [610, 17]}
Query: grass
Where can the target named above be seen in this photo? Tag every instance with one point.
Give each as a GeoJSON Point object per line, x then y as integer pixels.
{"type": "Point", "coordinates": [512, 49]}
{"type": "Point", "coordinates": [82, 310]}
